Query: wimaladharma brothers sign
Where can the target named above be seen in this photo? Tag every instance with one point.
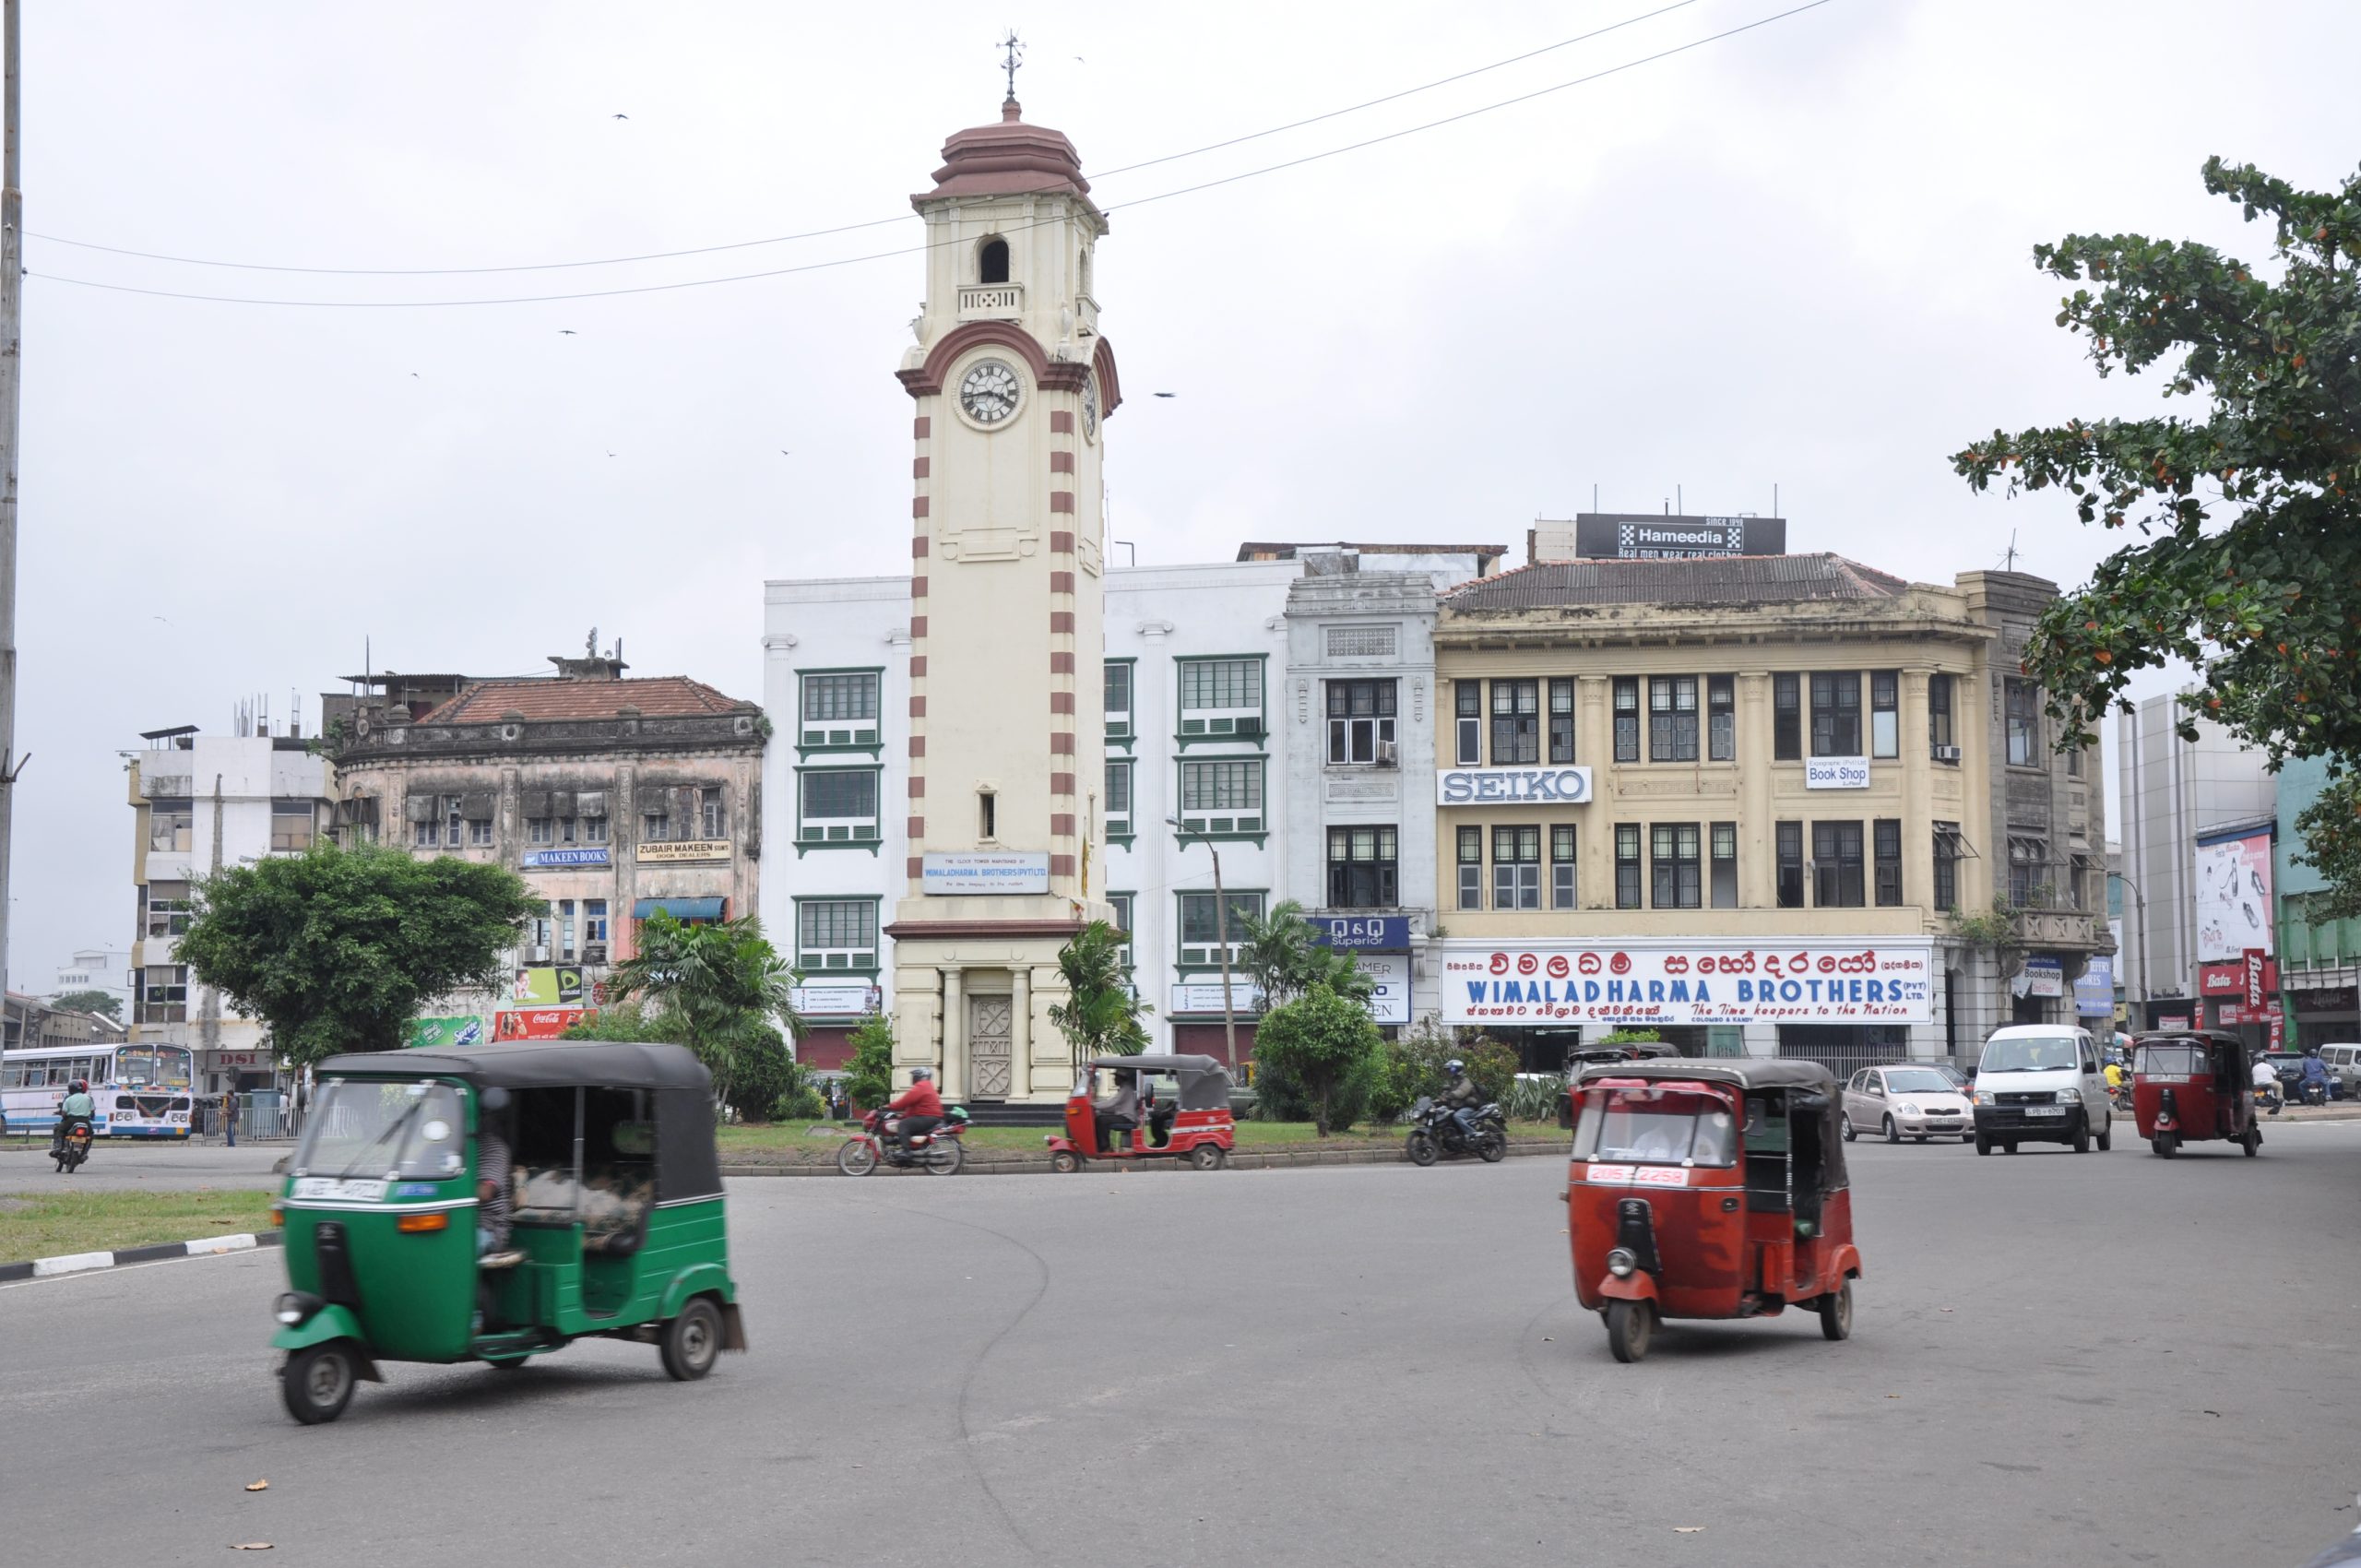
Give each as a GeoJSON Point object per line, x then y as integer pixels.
{"type": "Point", "coordinates": [1669, 982]}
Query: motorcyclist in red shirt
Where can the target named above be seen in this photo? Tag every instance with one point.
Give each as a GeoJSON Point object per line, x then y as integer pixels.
{"type": "Point", "coordinates": [919, 1109]}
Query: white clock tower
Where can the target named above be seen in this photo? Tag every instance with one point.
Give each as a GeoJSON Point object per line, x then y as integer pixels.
{"type": "Point", "coordinates": [1012, 384]}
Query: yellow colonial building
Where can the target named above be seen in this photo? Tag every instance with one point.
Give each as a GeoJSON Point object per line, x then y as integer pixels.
{"type": "Point", "coordinates": [1738, 799]}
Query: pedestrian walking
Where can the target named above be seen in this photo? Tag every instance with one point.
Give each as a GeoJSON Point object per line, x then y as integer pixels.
{"type": "Point", "coordinates": [229, 1116]}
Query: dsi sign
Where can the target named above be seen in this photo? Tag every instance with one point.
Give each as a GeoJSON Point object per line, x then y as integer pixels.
{"type": "Point", "coordinates": [1837, 773]}
{"type": "Point", "coordinates": [1513, 787]}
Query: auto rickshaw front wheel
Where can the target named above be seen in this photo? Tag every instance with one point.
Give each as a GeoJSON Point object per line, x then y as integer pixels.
{"type": "Point", "coordinates": [2165, 1144]}
{"type": "Point", "coordinates": [693, 1340]}
{"type": "Point", "coordinates": [316, 1383]}
{"type": "Point", "coordinates": [1836, 1313]}
{"type": "Point", "coordinates": [1208, 1157]}
{"type": "Point", "coordinates": [1630, 1326]}
{"type": "Point", "coordinates": [1065, 1162]}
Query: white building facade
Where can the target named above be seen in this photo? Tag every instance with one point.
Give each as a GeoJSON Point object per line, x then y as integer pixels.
{"type": "Point", "coordinates": [97, 969]}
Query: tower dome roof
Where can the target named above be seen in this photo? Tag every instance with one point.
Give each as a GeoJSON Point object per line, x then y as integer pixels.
{"type": "Point", "coordinates": [1009, 159]}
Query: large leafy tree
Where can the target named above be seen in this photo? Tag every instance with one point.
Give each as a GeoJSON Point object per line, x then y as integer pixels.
{"type": "Point", "coordinates": [334, 949]}
{"type": "Point", "coordinates": [104, 1002]}
{"type": "Point", "coordinates": [1282, 953]}
{"type": "Point", "coordinates": [728, 988]}
{"type": "Point", "coordinates": [2247, 563]}
{"type": "Point", "coordinates": [1099, 1015]}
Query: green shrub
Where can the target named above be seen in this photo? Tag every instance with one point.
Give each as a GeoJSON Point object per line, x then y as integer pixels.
{"type": "Point", "coordinates": [761, 1074]}
{"type": "Point", "coordinates": [801, 1103]}
{"type": "Point", "coordinates": [1414, 1066]}
{"type": "Point", "coordinates": [869, 1075]}
{"type": "Point", "coordinates": [1321, 1047]}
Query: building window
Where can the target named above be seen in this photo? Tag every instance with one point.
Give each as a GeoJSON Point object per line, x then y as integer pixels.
{"type": "Point", "coordinates": [170, 823]}
{"type": "Point", "coordinates": [425, 835]}
{"type": "Point", "coordinates": [1626, 718]}
{"type": "Point", "coordinates": [710, 818]}
{"type": "Point", "coordinates": [163, 995]}
{"type": "Point", "coordinates": [1118, 797]}
{"type": "Point", "coordinates": [1672, 719]}
{"type": "Point", "coordinates": [565, 930]}
{"type": "Point", "coordinates": [840, 709]}
{"type": "Point", "coordinates": [1676, 866]}
{"type": "Point", "coordinates": [1122, 904]}
{"type": "Point", "coordinates": [1885, 713]}
{"type": "Point", "coordinates": [1467, 709]}
{"type": "Point", "coordinates": [840, 806]}
{"type": "Point", "coordinates": [1946, 866]}
{"type": "Point", "coordinates": [836, 934]}
{"type": "Point", "coordinates": [539, 928]}
{"type": "Point", "coordinates": [540, 830]}
{"type": "Point", "coordinates": [1224, 796]}
{"type": "Point", "coordinates": [594, 830]}
{"type": "Point", "coordinates": [1517, 723]}
{"type": "Point", "coordinates": [2073, 762]}
{"type": "Point", "coordinates": [594, 931]}
{"type": "Point", "coordinates": [1721, 718]}
{"type": "Point", "coordinates": [1788, 840]}
{"type": "Point", "coordinates": [1360, 722]}
{"type": "Point", "coordinates": [987, 816]}
{"type": "Point", "coordinates": [1563, 892]}
{"type": "Point", "coordinates": [168, 909]}
{"type": "Point", "coordinates": [1722, 837]}
{"type": "Point", "coordinates": [1787, 719]}
{"type": "Point", "coordinates": [2021, 701]}
{"type": "Point", "coordinates": [1627, 865]}
{"type": "Point", "coordinates": [1364, 868]}
{"type": "Point", "coordinates": [1117, 680]}
{"type": "Point", "coordinates": [1836, 866]}
{"type": "Point", "coordinates": [1562, 720]}
{"type": "Point", "coordinates": [1940, 734]}
{"type": "Point", "coordinates": [1203, 928]}
{"type": "Point", "coordinates": [478, 832]}
{"type": "Point", "coordinates": [1516, 868]}
{"type": "Point", "coordinates": [292, 824]}
{"type": "Point", "coordinates": [1886, 840]}
{"type": "Point", "coordinates": [1221, 696]}
{"type": "Point", "coordinates": [1471, 868]}
{"type": "Point", "coordinates": [2029, 873]}
{"type": "Point", "coordinates": [1837, 715]}
{"type": "Point", "coordinates": [454, 820]}
{"type": "Point", "coordinates": [1361, 642]}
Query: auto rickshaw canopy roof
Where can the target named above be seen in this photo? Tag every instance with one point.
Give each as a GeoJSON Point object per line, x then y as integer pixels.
{"type": "Point", "coordinates": [540, 1065]}
{"type": "Point", "coordinates": [1747, 1072]}
{"type": "Point", "coordinates": [1205, 1083]}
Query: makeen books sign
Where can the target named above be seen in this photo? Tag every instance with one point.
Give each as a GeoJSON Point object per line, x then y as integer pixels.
{"type": "Point", "coordinates": [1687, 982]}
{"type": "Point", "coordinates": [983, 872]}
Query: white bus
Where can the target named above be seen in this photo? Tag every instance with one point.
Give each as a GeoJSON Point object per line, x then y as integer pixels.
{"type": "Point", "coordinates": [142, 1091]}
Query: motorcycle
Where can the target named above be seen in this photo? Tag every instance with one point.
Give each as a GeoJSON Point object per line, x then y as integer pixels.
{"type": "Point", "coordinates": [70, 1154]}
{"type": "Point", "coordinates": [1435, 1132]}
{"type": "Point", "coordinates": [939, 1153]}
{"type": "Point", "coordinates": [2312, 1093]}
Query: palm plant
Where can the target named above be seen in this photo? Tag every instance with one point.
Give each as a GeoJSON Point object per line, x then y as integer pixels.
{"type": "Point", "coordinates": [1282, 953]}
{"type": "Point", "coordinates": [1099, 1016]}
{"type": "Point", "coordinates": [725, 985]}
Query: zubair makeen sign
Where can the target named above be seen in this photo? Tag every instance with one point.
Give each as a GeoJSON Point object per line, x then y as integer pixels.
{"type": "Point", "coordinates": [1513, 787]}
{"type": "Point", "coordinates": [1687, 982]}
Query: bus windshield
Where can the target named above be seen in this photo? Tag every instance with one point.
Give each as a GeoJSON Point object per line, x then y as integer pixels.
{"type": "Point", "coordinates": [1656, 1126]}
{"type": "Point", "coordinates": [152, 1067]}
{"type": "Point", "coordinates": [369, 1127]}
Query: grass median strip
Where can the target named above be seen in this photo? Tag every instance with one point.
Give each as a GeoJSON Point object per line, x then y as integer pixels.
{"type": "Point", "coordinates": [791, 1142]}
{"type": "Point", "coordinates": [41, 1225]}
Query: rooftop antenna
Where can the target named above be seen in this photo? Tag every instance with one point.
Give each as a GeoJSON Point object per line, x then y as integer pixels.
{"type": "Point", "coordinates": [2008, 556]}
{"type": "Point", "coordinates": [1593, 497]}
{"type": "Point", "coordinates": [1015, 58]}
{"type": "Point", "coordinates": [1775, 497]}
{"type": "Point", "coordinates": [1679, 507]}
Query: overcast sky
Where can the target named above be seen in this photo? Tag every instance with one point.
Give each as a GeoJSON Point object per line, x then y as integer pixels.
{"type": "Point", "coordinates": [1795, 257]}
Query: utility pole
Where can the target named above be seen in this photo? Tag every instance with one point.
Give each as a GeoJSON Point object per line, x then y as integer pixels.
{"type": "Point", "coordinates": [12, 291]}
{"type": "Point", "coordinates": [1221, 940]}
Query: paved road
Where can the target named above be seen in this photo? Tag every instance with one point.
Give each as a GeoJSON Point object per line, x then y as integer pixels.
{"type": "Point", "coordinates": [124, 1167]}
{"type": "Point", "coordinates": [2104, 1358]}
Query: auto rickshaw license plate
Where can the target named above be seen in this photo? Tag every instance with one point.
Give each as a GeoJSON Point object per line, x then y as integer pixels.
{"type": "Point", "coordinates": [351, 1190]}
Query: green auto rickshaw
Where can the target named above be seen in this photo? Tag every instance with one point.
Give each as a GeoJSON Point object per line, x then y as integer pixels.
{"type": "Point", "coordinates": [398, 1248]}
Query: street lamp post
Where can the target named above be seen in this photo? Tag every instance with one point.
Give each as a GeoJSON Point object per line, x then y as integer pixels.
{"type": "Point", "coordinates": [1221, 940]}
{"type": "Point", "coordinates": [2139, 904]}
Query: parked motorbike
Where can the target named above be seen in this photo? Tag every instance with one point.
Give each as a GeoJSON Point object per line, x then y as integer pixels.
{"type": "Point", "coordinates": [939, 1153]}
{"type": "Point", "coordinates": [74, 1149]}
{"type": "Point", "coordinates": [1434, 1132]}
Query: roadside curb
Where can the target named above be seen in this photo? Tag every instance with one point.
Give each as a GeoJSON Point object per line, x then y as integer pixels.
{"type": "Point", "coordinates": [1280, 1159]}
{"type": "Point", "coordinates": [80, 1262]}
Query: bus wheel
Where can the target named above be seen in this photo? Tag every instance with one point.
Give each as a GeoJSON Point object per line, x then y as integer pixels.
{"type": "Point", "coordinates": [316, 1383]}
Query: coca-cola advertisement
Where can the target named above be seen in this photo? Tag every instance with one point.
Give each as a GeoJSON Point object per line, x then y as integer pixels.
{"type": "Point", "coordinates": [1668, 981]}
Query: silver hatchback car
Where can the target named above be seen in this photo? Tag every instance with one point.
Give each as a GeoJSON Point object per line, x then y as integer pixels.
{"type": "Point", "coordinates": [1906, 1101]}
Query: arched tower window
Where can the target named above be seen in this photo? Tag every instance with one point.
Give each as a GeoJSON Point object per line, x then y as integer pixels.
{"type": "Point", "coordinates": [991, 261]}
{"type": "Point", "coordinates": [1082, 274]}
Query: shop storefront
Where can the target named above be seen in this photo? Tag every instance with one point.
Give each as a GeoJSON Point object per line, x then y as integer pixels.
{"type": "Point", "coordinates": [2324, 1015]}
{"type": "Point", "coordinates": [830, 1012]}
{"type": "Point", "coordinates": [2242, 996]}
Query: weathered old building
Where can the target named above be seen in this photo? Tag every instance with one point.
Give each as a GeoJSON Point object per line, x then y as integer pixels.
{"type": "Point", "coordinates": [612, 798]}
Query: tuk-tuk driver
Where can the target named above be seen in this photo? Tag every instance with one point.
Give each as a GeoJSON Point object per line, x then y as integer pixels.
{"type": "Point", "coordinates": [918, 1108]}
{"type": "Point", "coordinates": [1120, 1112]}
{"type": "Point", "coordinates": [495, 1182]}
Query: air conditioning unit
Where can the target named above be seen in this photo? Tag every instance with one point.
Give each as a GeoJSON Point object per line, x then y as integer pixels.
{"type": "Point", "coordinates": [1388, 754]}
{"type": "Point", "coordinates": [596, 953]}
{"type": "Point", "coordinates": [538, 955]}
{"type": "Point", "coordinates": [1946, 754]}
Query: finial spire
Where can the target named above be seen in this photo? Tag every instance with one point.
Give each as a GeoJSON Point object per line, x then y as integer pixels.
{"type": "Point", "coordinates": [1014, 58]}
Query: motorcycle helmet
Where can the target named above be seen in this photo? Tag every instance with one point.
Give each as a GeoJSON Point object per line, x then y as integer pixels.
{"type": "Point", "coordinates": [77, 1087]}
{"type": "Point", "coordinates": [1455, 1066]}
{"type": "Point", "coordinates": [920, 1074]}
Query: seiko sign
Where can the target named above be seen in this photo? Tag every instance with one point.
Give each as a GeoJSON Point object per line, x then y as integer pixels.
{"type": "Point", "coordinates": [1513, 787]}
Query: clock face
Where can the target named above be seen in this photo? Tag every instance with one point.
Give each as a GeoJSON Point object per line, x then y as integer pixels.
{"type": "Point", "coordinates": [989, 392]}
{"type": "Point", "coordinates": [1090, 409]}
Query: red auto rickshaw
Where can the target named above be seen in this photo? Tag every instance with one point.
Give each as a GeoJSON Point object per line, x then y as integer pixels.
{"type": "Point", "coordinates": [1183, 1105]}
{"type": "Point", "coordinates": [1709, 1188]}
{"type": "Point", "coordinates": [1582, 1056]}
{"type": "Point", "coordinates": [2194, 1088]}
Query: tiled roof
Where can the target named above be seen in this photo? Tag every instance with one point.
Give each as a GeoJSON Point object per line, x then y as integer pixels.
{"type": "Point", "coordinates": [547, 698]}
{"type": "Point", "coordinates": [1729, 580]}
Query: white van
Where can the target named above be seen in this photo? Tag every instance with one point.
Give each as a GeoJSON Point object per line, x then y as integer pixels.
{"type": "Point", "coordinates": [2040, 1083]}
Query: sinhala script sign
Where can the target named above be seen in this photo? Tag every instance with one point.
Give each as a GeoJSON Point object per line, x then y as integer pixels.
{"type": "Point", "coordinates": [1513, 786]}
{"type": "Point", "coordinates": [1687, 982]}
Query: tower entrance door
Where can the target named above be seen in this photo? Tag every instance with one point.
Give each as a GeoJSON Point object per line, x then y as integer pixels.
{"type": "Point", "coordinates": [990, 1046]}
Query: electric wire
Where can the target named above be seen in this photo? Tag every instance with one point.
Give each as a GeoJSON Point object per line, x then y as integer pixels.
{"type": "Point", "coordinates": [914, 250]}
{"type": "Point", "coordinates": [847, 227]}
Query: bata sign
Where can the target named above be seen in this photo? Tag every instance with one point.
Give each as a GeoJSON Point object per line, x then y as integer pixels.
{"type": "Point", "coordinates": [1511, 786]}
{"type": "Point", "coordinates": [1687, 982]}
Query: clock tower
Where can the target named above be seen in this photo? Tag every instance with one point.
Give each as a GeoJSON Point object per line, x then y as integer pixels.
{"type": "Point", "coordinates": [1012, 386]}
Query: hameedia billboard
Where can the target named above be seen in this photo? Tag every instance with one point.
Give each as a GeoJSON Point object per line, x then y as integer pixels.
{"type": "Point", "coordinates": [1675, 982]}
{"type": "Point", "coordinates": [2232, 894]}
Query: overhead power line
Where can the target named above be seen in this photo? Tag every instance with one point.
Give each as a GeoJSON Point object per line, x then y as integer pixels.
{"type": "Point", "coordinates": [913, 250]}
{"type": "Point", "coordinates": [870, 223]}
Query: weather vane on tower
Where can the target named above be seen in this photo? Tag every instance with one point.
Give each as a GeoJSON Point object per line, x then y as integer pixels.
{"type": "Point", "coordinates": [1015, 58]}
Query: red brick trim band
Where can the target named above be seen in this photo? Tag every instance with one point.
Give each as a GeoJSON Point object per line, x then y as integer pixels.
{"type": "Point", "coordinates": [918, 666]}
{"type": "Point", "coordinates": [1061, 621]}
{"type": "Point", "coordinates": [915, 866]}
{"type": "Point", "coordinates": [946, 931]}
{"type": "Point", "coordinates": [1059, 582]}
{"type": "Point", "coordinates": [918, 745]}
{"type": "Point", "coordinates": [1061, 702]}
{"type": "Point", "coordinates": [918, 546]}
{"type": "Point", "coordinates": [1061, 422]}
{"type": "Point", "coordinates": [1062, 825]}
{"type": "Point", "coordinates": [1062, 501]}
{"type": "Point", "coordinates": [1059, 462]}
{"type": "Point", "coordinates": [918, 587]}
{"type": "Point", "coordinates": [918, 705]}
{"type": "Point", "coordinates": [1062, 664]}
{"type": "Point", "coordinates": [921, 427]}
{"type": "Point", "coordinates": [1062, 743]}
{"type": "Point", "coordinates": [917, 626]}
{"type": "Point", "coordinates": [917, 830]}
{"type": "Point", "coordinates": [917, 787]}
{"type": "Point", "coordinates": [1061, 865]}
{"type": "Point", "coordinates": [1060, 783]}
{"type": "Point", "coordinates": [918, 506]}
{"type": "Point", "coordinates": [919, 467]}
{"type": "Point", "coordinates": [1060, 543]}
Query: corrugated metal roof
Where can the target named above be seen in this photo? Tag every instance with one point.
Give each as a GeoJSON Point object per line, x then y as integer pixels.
{"type": "Point", "coordinates": [543, 697]}
{"type": "Point", "coordinates": [1729, 580]}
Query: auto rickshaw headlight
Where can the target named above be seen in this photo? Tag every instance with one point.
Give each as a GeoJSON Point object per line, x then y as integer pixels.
{"type": "Point", "coordinates": [1620, 1262]}
{"type": "Point", "coordinates": [294, 1306]}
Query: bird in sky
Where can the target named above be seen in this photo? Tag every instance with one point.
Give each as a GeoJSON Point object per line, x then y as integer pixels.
{"type": "Point", "coordinates": [623, 117]}
{"type": "Point", "coordinates": [611, 454]}
{"type": "Point", "coordinates": [1167, 394]}
{"type": "Point", "coordinates": [785, 453]}
{"type": "Point", "coordinates": [413, 376]}
{"type": "Point", "coordinates": [567, 332]}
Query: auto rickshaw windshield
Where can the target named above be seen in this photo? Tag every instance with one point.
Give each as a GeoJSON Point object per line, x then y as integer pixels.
{"type": "Point", "coordinates": [1656, 1126]}
{"type": "Point", "coordinates": [372, 1126]}
{"type": "Point", "coordinates": [2171, 1058]}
